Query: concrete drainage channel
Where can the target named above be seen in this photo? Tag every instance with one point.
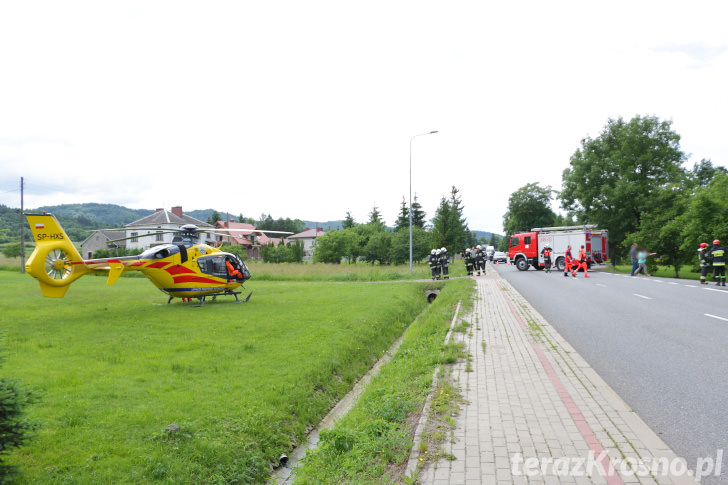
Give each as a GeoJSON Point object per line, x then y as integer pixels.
{"type": "Point", "coordinates": [286, 473]}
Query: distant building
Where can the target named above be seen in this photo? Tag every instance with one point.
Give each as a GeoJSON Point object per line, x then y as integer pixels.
{"type": "Point", "coordinates": [308, 239]}
{"type": "Point", "coordinates": [251, 241]}
{"type": "Point", "coordinates": [102, 240]}
{"type": "Point", "coordinates": [162, 220]}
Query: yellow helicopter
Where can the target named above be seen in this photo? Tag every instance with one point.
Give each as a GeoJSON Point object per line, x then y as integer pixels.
{"type": "Point", "coordinates": [184, 269]}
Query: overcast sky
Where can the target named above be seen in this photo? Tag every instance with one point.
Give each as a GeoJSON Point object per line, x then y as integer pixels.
{"type": "Point", "coordinates": [306, 109]}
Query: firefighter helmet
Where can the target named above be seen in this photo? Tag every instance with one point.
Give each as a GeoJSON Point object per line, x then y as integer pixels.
{"type": "Point", "coordinates": [433, 251]}
{"type": "Point", "coordinates": [443, 249]}
{"type": "Point", "coordinates": [703, 245]}
{"type": "Point", "coordinates": [716, 242]}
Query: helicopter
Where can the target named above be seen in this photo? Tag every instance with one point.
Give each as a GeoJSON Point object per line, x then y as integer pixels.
{"type": "Point", "coordinates": [183, 269]}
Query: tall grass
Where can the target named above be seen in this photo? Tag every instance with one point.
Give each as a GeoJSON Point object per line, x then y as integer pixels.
{"type": "Point", "coordinates": [343, 272]}
{"type": "Point", "coordinates": [116, 365]}
{"type": "Point", "coordinates": [372, 442]}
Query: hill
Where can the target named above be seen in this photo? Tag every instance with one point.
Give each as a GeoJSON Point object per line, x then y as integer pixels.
{"type": "Point", "coordinates": [79, 219]}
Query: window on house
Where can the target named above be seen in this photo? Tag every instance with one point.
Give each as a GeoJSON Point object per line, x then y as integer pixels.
{"type": "Point", "coordinates": [134, 237]}
{"type": "Point", "coordinates": [160, 236]}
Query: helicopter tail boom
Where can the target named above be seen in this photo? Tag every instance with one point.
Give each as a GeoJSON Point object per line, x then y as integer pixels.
{"type": "Point", "coordinates": [55, 262]}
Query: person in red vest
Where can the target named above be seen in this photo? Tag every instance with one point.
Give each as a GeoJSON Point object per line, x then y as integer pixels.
{"type": "Point", "coordinates": [568, 259]}
{"type": "Point", "coordinates": [581, 264]}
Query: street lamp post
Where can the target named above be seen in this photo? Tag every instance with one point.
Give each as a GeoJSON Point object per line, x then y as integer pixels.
{"type": "Point", "coordinates": [410, 195]}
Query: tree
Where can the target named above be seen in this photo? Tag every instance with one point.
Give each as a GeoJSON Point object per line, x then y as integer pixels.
{"type": "Point", "coordinates": [419, 217]}
{"type": "Point", "coordinates": [399, 250]}
{"type": "Point", "coordinates": [378, 246]}
{"type": "Point", "coordinates": [333, 246]}
{"type": "Point", "coordinates": [610, 178]}
{"type": "Point", "coordinates": [403, 220]}
{"type": "Point", "coordinates": [703, 172]}
{"type": "Point", "coordinates": [15, 429]}
{"type": "Point", "coordinates": [661, 227]}
{"type": "Point", "coordinates": [12, 250]}
{"type": "Point", "coordinates": [449, 225]}
{"type": "Point", "coordinates": [214, 217]}
{"type": "Point", "coordinates": [348, 221]}
{"type": "Point", "coordinates": [706, 216]}
{"type": "Point", "coordinates": [493, 241]}
{"type": "Point", "coordinates": [529, 207]}
{"type": "Point", "coordinates": [375, 217]}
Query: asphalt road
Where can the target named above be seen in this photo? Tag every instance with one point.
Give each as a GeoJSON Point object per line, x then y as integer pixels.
{"type": "Point", "coordinates": [661, 344]}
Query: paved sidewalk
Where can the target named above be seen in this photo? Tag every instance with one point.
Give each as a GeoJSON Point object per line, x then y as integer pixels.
{"type": "Point", "coordinates": [536, 412]}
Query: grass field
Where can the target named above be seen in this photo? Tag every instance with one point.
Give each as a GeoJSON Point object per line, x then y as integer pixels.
{"type": "Point", "coordinates": [344, 272]}
{"type": "Point", "coordinates": [116, 365]}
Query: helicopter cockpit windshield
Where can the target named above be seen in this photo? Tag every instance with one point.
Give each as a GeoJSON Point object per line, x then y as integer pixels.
{"type": "Point", "coordinates": [160, 252]}
{"type": "Point", "coordinates": [227, 266]}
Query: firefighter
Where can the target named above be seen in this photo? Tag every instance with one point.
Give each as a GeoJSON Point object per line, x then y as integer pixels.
{"type": "Point", "coordinates": [581, 264]}
{"type": "Point", "coordinates": [444, 263]}
{"type": "Point", "coordinates": [568, 258]}
{"type": "Point", "coordinates": [479, 260]}
{"type": "Point", "coordinates": [718, 254]}
{"type": "Point", "coordinates": [703, 258]}
{"type": "Point", "coordinates": [434, 264]}
{"type": "Point", "coordinates": [546, 253]}
{"type": "Point", "coordinates": [468, 259]}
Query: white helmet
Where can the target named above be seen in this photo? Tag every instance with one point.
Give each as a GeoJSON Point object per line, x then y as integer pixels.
{"type": "Point", "coordinates": [478, 246]}
{"type": "Point", "coordinates": [432, 252]}
{"type": "Point", "coordinates": [443, 250]}
{"type": "Point", "coordinates": [437, 251]}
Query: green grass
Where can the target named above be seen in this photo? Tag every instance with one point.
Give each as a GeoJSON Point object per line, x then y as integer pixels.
{"type": "Point", "coordinates": [686, 272]}
{"type": "Point", "coordinates": [116, 365]}
{"type": "Point", "coordinates": [372, 442]}
{"type": "Point", "coordinates": [344, 272]}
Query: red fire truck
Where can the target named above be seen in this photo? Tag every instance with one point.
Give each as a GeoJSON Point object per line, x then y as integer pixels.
{"type": "Point", "coordinates": [524, 248]}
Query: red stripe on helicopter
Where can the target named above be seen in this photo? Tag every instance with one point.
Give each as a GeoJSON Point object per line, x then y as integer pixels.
{"type": "Point", "coordinates": [194, 279]}
{"type": "Point", "coordinates": [174, 270]}
{"type": "Point", "coordinates": [158, 265]}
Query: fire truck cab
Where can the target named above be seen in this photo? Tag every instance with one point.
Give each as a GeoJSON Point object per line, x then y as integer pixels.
{"type": "Point", "coordinates": [524, 249]}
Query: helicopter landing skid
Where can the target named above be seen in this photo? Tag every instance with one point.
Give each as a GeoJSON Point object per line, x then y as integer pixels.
{"type": "Point", "coordinates": [236, 293]}
{"type": "Point", "coordinates": [226, 293]}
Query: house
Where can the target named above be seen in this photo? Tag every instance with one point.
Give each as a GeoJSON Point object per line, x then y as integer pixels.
{"type": "Point", "coordinates": [308, 239]}
{"type": "Point", "coordinates": [163, 220]}
{"type": "Point", "coordinates": [102, 240]}
{"type": "Point", "coordinates": [252, 241]}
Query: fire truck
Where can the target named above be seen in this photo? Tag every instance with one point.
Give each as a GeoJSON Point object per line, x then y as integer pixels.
{"type": "Point", "coordinates": [524, 248]}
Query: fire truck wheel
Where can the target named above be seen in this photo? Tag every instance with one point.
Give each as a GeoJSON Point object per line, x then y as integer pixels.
{"type": "Point", "coordinates": [521, 264]}
{"type": "Point", "coordinates": [560, 264]}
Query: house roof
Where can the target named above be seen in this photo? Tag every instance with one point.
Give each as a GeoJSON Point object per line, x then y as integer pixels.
{"type": "Point", "coordinates": [166, 217]}
{"type": "Point", "coordinates": [308, 233]}
{"type": "Point", "coordinates": [109, 236]}
{"type": "Point", "coordinates": [242, 238]}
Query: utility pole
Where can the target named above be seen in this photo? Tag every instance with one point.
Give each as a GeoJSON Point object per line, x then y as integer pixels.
{"type": "Point", "coordinates": [22, 230]}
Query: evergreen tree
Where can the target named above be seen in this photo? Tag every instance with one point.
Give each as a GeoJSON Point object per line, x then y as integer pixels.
{"type": "Point", "coordinates": [15, 429]}
{"type": "Point", "coordinates": [418, 215]}
{"type": "Point", "coordinates": [403, 220]}
{"type": "Point", "coordinates": [375, 218]}
{"type": "Point", "coordinates": [348, 221]}
{"type": "Point", "coordinates": [449, 225]}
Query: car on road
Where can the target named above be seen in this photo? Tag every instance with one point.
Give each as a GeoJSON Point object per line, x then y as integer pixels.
{"type": "Point", "coordinates": [500, 257]}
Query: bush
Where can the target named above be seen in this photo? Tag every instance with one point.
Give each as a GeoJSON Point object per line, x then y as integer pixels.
{"type": "Point", "coordinates": [15, 430]}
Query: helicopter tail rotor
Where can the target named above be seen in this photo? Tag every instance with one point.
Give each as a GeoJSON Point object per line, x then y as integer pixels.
{"type": "Point", "coordinates": [55, 262]}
